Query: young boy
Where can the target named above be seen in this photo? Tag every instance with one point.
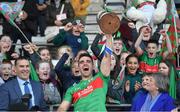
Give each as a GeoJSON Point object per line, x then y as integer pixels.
{"type": "Point", "coordinates": [72, 35]}
{"type": "Point", "coordinates": [6, 69]}
{"type": "Point", "coordinates": [149, 60]}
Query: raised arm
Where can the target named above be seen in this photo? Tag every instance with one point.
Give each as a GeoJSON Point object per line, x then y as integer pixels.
{"type": "Point", "coordinates": [94, 47]}
{"type": "Point", "coordinates": [168, 43]}
{"type": "Point", "coordinates": [106, 60]}
{"type": "Point", "coordinates": [60, 37]}
{"type": "Point", "coordinates": [137, 44]}
{"type": "Point", "coordinates": [60, 65]}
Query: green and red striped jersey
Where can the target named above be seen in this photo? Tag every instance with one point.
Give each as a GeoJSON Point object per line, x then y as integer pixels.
{"type": "Point", "coordinates": [89, 95]}
{"type": "Point", "coordinates": [149, 65]}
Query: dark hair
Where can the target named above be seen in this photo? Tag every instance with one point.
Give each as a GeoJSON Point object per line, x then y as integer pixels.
{"type": "Point", "coordinates": [130, 56]}
{"type": "Point", "coordinates": [116, 37]}
{"type": "Point", "coordinates": [152, 41]}
{"type": "Point", "coordinates": [6, 61]}
{"type": "Point", "coordinates": [20, 58]}
{"type": "Point", "coordinates": [115, 72]}
{"type": "Point", "coordinates": [170, 65]}
{"type": "Point", "coordinates": [3, 36]}
{"type": "Point", "coordinates": [85, 55]}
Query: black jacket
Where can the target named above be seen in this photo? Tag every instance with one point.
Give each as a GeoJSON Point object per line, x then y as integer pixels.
{"type": "Point", "coordinates": [27, 25]}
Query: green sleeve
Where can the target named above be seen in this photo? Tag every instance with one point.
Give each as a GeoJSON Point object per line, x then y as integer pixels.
{"type": "Point", "coordinates": [84, 43]}
{"type": "Point", "coordinates": [68, 95]}
{"type": "Point", "coordinates": [59, 38]}
{"type": "Point", "coordinates": [105, 79]}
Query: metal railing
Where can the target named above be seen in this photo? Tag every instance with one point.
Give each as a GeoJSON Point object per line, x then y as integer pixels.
{"type": "Point", "coordinates": [109, 107]}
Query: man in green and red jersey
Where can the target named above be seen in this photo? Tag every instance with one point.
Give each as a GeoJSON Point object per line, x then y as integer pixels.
{"type": "Point", "coordinates": [149, 60]}
{"type": "Point", "coordinates": [90, 93]}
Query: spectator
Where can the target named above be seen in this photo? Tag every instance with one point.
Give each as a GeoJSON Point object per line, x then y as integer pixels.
{"type": "Point", "coordinates": [118, 46]}
{"type": "Point", "coordinates": [6, 69]}
{"type": "Point", "coordinates": [12, 91]}
{"type": "Point", "coordinates": [41, 19]}
{"type": "Point", "coordinates": [80, 9]}
{"type": "Point", "coordinates": [27, 23]}
{"type": "Point", "coordinates": [123, 56]}
{"type": "Point", "coordinates": [36, 55]}
{"type": "Point", "coordinates": [90, 85]}
{"type": "Point", "coordinates": [50, 86]}
{"type": "Point", "coordinates": [68, 10]}
{"type": "Point", "coordinates": [68, 76]}
{"type": "Point", "coordinates": [155, 98]}
{"type": "Point", "coordinates": [5, 48]}
{"type": "Point", "coordinates": [66, 69]}
{"type": "Point", "coordinates": [149, 60]}
{"type": "Point", "coordinates": [72, 35]}
{"type": "Point", "coordinates": [168, 69]}
{"type": "Point", "coordinates": [43, 53]}
{"type": "Point", "coordinates": [132, 80]}
{"type": "Point", "coordinates": [115, 87]}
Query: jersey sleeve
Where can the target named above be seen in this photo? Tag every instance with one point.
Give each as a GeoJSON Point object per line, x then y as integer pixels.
{"type": "Point", "coordinates": [105, 79]}
{"type": "Point", "coordinates": [68, 95]}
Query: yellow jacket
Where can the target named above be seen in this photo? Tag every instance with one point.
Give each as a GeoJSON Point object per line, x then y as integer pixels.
{"type": "Point", "coordinates": [80, 9]}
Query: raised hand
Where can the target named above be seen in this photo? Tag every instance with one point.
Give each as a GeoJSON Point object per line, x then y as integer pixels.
{"type": "Point", "coordinates": [68, 26]}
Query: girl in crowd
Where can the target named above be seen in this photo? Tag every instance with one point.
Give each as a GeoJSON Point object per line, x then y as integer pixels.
{"type": "Point", "coordinates": [116, 84]}
{"type": "Point", "coordinates": [50, 86]}
{"type": "Point", "coordinates": [132, 79]}
{"type": "Point", "coordinates": [5, 48]}
{"type": "Point", "coordinates": [155, 97]}
{"type": "Point", "coordinates": [43, 54]}
{"type": "Point", "coordinates": [168, 69]}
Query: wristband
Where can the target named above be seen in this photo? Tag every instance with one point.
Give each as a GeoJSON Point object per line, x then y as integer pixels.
{"type": "Point", "coordinates": [107, 50]}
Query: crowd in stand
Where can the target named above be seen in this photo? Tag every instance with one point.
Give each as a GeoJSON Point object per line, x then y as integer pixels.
{"type": "Point", "coordinates": [127, 67]}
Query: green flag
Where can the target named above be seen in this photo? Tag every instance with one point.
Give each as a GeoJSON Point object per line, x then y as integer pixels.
{"type": "Point", "coordinates": [11, 10]}
{"type": "Point", "coordinates": [172, 84]}
{"type": "Point", "coordinates": [33, 73]}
